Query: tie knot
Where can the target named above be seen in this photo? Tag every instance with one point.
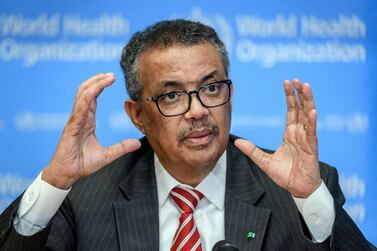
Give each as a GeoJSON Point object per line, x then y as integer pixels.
{"type": "Point", "coordinates": [186, 199]}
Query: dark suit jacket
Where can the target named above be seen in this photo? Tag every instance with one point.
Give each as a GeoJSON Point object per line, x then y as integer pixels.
{"type": "Point", "coordinates": [117, 209]}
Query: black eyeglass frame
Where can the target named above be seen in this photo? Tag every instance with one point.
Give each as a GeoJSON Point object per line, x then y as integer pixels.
{"type": "Point", "coordinates": [155, 99]}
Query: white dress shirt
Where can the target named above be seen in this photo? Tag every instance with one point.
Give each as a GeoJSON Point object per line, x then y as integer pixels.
{"type": "Point", "coordinates": [208, 215]}
{"type": "Point", "coordinates": [41, 201]}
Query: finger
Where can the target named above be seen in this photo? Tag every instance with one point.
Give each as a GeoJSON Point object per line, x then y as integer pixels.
{"type": "Point", "coordinates": [309, 139]}
{"type": "Point", "coordinates": [292, 104]}
{"type": "Point", "coordinates": [115, 151]}
{"type": "Point", "coordinates": [312, 131]}
{"type": "Point", "coordinates": [86, 83]}
{"type": "Point", "coordinates": [253, 152]}
{"type": "Point", "coordinates": [301, 113]}
{"type": "Point", "coordinates": [308, 102]}
{"type": "Point", "coordinates": [86, 101]}
{"type": "Point", "coordinates": [88, 95]}
{"type": "Point", "coordinates": [96, 84]}
{"type": "Point", "coordinates": [91, 81]}
{"type": "Point", "coordinates": [308, 98]}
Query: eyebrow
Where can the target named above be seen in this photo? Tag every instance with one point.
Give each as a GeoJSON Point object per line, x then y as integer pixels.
{"type": "Point", "coordinates": [208, 76]}
{"type": "Point", "coordinates": [178, 84]}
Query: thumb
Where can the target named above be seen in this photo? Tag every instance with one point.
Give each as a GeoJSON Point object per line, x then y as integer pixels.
{"type": "Point", "coordinates": [252, 151]}
{"type": "Point", "coordinates": [115, 151]}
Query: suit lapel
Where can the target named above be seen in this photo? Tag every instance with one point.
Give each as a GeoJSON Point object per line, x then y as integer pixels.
{"type": "Point", "coordinates": [245, 224]}
{"type": "Point", "coordinates": [137, 215]}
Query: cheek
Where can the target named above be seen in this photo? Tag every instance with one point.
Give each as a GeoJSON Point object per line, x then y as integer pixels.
{"type": "Point", "coordinates": [160, 128]}
{"type": "Point", "coordinates": [223, 117]}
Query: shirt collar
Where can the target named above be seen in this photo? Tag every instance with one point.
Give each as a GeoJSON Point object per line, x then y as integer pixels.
{"type": "Point", "coordinates": [216, 178]}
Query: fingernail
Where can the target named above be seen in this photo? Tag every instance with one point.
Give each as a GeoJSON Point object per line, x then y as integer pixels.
{"type": "Point", "coordinates": [109, 75]}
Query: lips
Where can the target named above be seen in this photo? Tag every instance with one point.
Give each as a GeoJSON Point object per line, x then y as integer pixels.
{"type": "Point", "coordinates": [199, 137]}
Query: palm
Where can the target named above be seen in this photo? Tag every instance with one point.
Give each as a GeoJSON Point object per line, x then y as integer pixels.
{"type": "Point", "coordinates": [88, 155]}
{"type": "Point", "coordinates": [79, 153]}
{"type": "Point", "coordinates": [294, 166]}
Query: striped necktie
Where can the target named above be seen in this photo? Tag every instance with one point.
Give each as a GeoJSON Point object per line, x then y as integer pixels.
{"type": "Point", "coordinates": [186, 237]}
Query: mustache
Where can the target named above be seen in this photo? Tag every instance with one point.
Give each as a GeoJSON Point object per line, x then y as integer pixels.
{"type": "Point", "coordinates": [197, 125]}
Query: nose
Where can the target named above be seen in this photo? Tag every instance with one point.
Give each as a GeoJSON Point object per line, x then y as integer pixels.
{"type": "Point", "coordinates": [197, 110]}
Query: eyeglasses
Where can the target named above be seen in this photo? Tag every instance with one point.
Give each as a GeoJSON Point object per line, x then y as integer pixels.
{"type": "Point", "coordinates": [210, 95]}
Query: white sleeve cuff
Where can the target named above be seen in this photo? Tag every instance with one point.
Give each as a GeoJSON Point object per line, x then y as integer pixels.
{"type": "Point", "coordinates": [38, 205]}
{"type": "Point", "coordinates": [318, 212]}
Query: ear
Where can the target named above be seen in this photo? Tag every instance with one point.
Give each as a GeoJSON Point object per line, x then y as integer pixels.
{"type": "Point", "coordinates": [134, 111]}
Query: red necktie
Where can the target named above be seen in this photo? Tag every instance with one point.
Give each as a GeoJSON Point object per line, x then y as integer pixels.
{"type": "Point", "coordinates": [187, 236]}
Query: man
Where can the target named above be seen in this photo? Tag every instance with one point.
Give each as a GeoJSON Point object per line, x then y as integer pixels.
{"type": "Point", "coordinates": [188, 183]}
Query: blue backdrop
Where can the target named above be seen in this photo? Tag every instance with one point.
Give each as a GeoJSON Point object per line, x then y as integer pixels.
{"type": "Point", "coordinates": [47, 48]}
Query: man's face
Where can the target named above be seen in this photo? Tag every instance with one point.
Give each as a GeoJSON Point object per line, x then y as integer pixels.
{"type": "Point", "coordinates": [195, 140]}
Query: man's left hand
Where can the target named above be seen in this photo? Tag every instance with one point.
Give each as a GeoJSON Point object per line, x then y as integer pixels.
{"type": "Point", "coordinates": [294, 166]}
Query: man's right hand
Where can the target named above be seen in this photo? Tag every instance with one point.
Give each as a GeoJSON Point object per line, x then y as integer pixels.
{"type": "Point", "coordinates": [79, 153]}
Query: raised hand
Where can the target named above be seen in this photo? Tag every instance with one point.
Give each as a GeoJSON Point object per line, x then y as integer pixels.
{"type": "Point", "coordinates": [294, 166]}
{"type": "Point", "coordinates": [79, 153]}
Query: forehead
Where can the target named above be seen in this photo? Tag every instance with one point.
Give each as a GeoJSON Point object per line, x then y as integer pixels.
{"type": "Point", "coordinates": [183, 64]}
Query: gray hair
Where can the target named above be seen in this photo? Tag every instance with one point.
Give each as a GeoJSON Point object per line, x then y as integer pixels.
{"type": "Point", "coordinates": [162, 35]}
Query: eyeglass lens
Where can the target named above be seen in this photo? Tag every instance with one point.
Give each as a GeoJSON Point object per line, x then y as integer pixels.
{"type": "Point", "coordinates": [178, 102]}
